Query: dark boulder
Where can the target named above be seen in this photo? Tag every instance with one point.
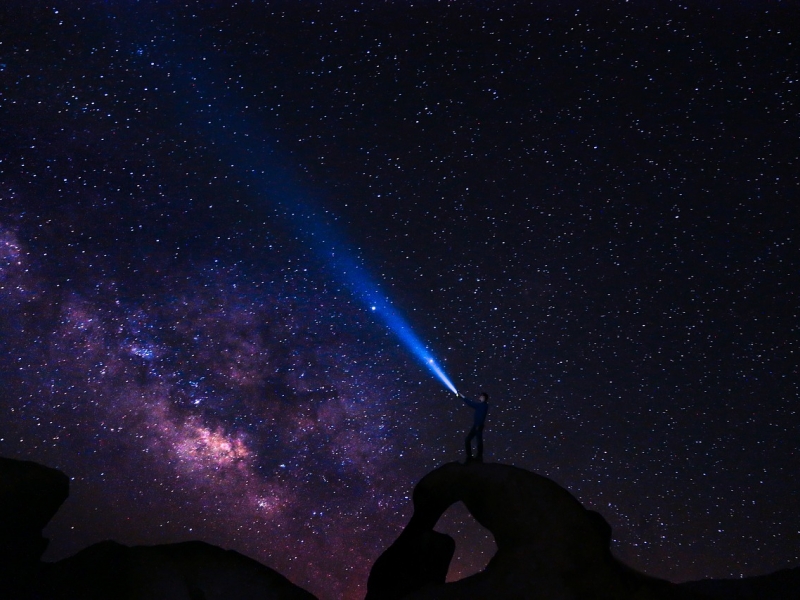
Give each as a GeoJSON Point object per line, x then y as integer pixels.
{"type": "Point", "coordinates": [781, 585]}
{"type": "Point", "coordinates": [418, 558]}
{"type": "Point", "coordinates": [548, 545]}
{"type": "Point", "coordinates": [183, 571]}
{"type": "Point", "coordinates": [30, 494]}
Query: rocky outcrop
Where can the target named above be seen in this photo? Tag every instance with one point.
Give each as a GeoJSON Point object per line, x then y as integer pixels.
{"type": "Point", "coordinates": [781, 585]}
{"type": "Point", "coordinates": [548, 545]}
{"type": "Point", "coordinates": [182, 571]}
{"type": "Point", "coordinates": [419, 557]}
{"type": "Point", "coordinates": [30, 495]}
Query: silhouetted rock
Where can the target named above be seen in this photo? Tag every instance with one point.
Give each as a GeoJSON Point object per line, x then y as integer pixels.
{"type": "Point", "coordinates": [419, 557]}
{"type": "Point", "coordinates": [30, 495]}
{"type": "Point", "coordinates": [548, 545]}
{"type": "Point", "coordinates": [781, 585]}
{"type": "Point", "coordinates": [182, 571]}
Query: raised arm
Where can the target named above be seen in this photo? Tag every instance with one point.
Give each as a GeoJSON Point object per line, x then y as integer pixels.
{"type": "Point", "coordinates": [468, 402]}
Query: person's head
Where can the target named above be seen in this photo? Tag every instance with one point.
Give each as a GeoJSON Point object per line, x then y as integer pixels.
{"type": "Point", "coordinates": [484, 397]}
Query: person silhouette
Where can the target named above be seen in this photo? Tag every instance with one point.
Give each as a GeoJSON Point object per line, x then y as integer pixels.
{"type": "Point", "coordinates": [481, 407]}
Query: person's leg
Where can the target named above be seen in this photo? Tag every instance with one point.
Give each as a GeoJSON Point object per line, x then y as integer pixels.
{"type": "Point", "coordinates": [468, 443]}
{"type": "Point", "coordinates": [480, 445]}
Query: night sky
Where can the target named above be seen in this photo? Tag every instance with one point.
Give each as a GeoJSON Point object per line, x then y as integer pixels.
{"type": "Point", "coordinates": [588, 209]}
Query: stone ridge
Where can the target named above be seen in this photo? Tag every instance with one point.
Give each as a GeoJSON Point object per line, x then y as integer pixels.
{"type": "Point", "coordinates": [548, 545]}
{"type": "Point", "coordinates": [30, 494]}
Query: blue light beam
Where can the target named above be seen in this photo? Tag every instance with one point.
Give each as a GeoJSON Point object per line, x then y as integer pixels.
{"type": "Point", "coordinates": [397, 324]}
{"type": "Point", "coordinates": [359, 282]}
{"type": "Point", "coordinates": [324, 239]}
{"type": "Point", "coordinates": [222, 120]}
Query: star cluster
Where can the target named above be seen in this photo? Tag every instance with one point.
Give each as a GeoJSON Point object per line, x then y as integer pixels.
{"type": "Point", "coordinates": [589, 211]}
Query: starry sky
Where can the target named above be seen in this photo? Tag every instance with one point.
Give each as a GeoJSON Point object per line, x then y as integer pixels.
{"type": "Point", "coordinates": [589, 210]}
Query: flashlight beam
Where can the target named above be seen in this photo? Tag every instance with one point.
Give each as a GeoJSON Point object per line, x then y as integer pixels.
{"type": "Point", "coordinates": [224, 122]}
{"type": "Point", "coordinates": [361, 284]}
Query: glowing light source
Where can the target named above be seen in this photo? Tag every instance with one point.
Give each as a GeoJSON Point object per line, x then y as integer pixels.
{"type": "Point", "coordinates": [325, 240]}
{"type": "Point", "coordinates": [367, 290]}
{"type": "Point", "coordinates": [232, 134]}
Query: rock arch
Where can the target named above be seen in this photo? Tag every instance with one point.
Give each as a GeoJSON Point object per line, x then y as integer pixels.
{"type": "Point", "coordinates": [548, 545]}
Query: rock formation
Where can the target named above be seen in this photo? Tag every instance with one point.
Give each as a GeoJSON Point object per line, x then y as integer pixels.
{"type": "Point", "coordinates": [182, 571]}
{"type": "Point", "coordinates": [548, 545]}
{"type": "Point", "coordinates": [417, 558]}
{"type": "Point", "coordinates": [30, 495]}
{"type": "Point", "coordinates": [781, 585]}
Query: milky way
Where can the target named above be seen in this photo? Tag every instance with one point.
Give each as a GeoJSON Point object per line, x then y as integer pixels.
{"type": "Point", "coordinates": [590, 213]}
{"type": "Point", "coordinates": [211, 395]}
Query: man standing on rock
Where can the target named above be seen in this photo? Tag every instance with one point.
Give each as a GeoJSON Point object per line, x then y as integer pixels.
{"type": "Point", "coordinates": [481, 408]}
